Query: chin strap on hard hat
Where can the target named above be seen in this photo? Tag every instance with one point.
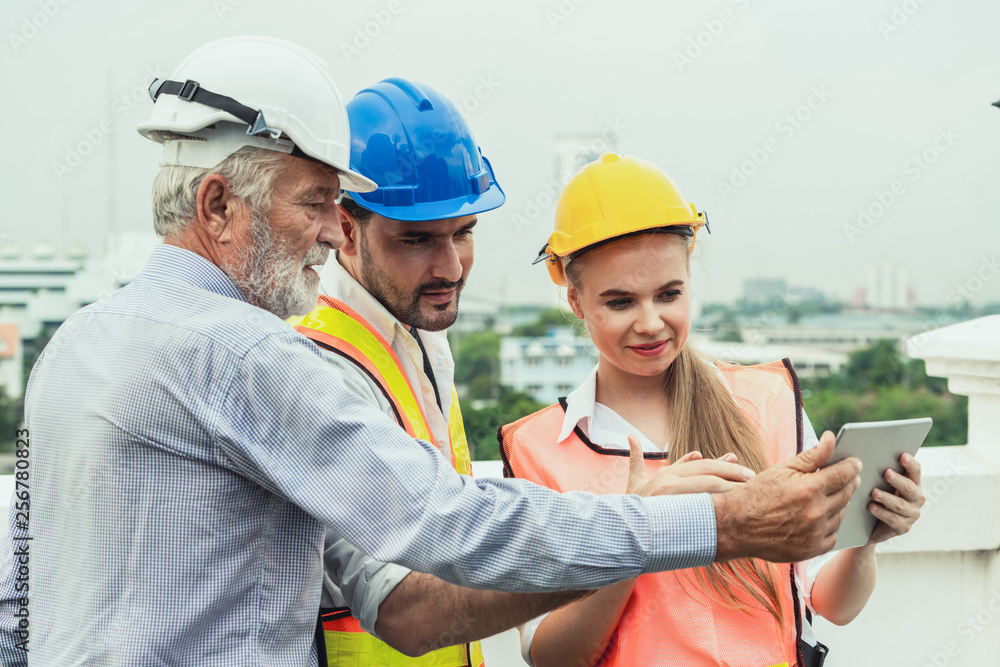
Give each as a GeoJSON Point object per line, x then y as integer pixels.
{"type": "Point", "coordinates": [191, 91]}
{"type": "Point", "coordinates": [544, 254]}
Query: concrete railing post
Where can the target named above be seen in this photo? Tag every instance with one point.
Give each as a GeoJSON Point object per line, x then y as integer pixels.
{"type": "Point", "coordinates": [968, 354]}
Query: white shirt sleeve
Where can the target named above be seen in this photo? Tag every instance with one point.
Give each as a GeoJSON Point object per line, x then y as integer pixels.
{"type": "Point", "coordinates": [352, 578]}
{"type": "Point", "coordinates": [806, 571]}
{"type": "Point", "coordinates": [356, 580]}
{"type": "Point", "coordinates": [527, 631]}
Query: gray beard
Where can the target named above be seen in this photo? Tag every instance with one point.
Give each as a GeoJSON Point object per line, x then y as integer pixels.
{"type": "Point", "coordinates": [272, 280]}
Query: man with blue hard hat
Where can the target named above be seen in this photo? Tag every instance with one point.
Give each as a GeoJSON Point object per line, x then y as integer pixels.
{"type": "Point", "coordinates": [387, 297]}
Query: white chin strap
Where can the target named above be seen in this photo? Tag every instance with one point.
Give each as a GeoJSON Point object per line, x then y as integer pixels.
{"type": "Point", "coordinates": [208, 147]}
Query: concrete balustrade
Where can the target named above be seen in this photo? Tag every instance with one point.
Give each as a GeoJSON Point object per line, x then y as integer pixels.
{"type": "Point", "coordinates": [937, 602]}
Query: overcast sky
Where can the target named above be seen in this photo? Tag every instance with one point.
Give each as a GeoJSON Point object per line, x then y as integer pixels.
{"type": "Point", "coordinates": [780, 118]}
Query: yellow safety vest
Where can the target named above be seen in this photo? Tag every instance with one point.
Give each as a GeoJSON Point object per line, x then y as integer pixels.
{"type": "Point", "coordinates": [336, 327]}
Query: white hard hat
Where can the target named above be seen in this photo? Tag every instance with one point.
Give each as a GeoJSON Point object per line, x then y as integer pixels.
{"type": "Point", "coordinates": [252, 91]}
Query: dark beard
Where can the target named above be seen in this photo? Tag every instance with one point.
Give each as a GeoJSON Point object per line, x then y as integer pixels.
{"type": "Point", "coordinates": [404, 306]}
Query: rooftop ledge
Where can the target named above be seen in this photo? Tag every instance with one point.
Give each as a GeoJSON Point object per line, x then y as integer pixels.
{"type": "Point", "coordinates": [962, 483]}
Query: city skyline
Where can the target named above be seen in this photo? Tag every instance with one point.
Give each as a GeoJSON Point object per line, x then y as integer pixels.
{"type": "Point", "coordinates": [821, 140]}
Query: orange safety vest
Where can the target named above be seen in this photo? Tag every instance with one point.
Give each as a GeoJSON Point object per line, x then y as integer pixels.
{"type": "Point", "coordinates": [669, 619]}
{"type": "Point", "coordinates": [334, 326]}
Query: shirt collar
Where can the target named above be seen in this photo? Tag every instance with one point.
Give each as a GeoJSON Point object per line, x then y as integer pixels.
{"type": "Point", "coordinates": [172, 263]}
{"type": "Point", "coordinates": [337, 282]}
{"type": "Point", "coordinates": [580, 406]}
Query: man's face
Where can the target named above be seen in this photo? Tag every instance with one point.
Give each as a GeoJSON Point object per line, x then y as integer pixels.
{"type": "Point", "coordinates": [276, 250]}
{"type": "Point", "coordinates": [416, 269]}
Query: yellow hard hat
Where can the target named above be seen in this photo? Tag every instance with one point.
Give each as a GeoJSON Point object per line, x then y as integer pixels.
{"type": "Point", "coordinates": [615, 196]}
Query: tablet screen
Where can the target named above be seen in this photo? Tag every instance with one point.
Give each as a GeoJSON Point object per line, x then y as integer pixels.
{"type": "Point", "coordinates": [879, 446]}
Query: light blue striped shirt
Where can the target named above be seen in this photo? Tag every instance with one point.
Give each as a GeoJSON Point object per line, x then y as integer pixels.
{"type": "Point", "coordinates": [187, 449]}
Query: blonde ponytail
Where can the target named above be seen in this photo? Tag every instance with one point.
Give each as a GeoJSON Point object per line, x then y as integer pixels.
{"type": "Point", "coordinates": [704, 418]}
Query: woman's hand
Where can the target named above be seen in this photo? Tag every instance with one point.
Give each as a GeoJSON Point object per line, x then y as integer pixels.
{"type": "Point", "coordinates": [688, 474]}
{"type": "Point", "coordinates": [897, 511]}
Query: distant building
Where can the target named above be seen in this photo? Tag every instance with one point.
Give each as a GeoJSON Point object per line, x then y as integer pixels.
{"type": "Point", "coordinates": [474, 315]}
{"type": "Point", "coordinates": [887, 288]}
{"type": "Point", "coordinates": [519, 314]}
{"type": "Point", "coordinates": [546, 368]}
{"type": "Point", "coordinates": [797, 295]}
{"type": "Point", "coordinates": [763, 291]}
{"type": "Point", "coordinates": [45, 287]}
{"type": "Point", "coordinates": [835, 332]}
{"type": "Point", "coordinates": [808, 360]}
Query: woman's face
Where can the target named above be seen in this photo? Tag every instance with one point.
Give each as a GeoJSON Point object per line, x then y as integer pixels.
{"type": "Point", "coordinates": [633, 296]}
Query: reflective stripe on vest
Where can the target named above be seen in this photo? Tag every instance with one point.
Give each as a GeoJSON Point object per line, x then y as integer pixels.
{"type": "Point", "coordinates": [348, 644]}
{"type": "Point", "coordinates": [670, 619]}
{"type": "Point", "coordinates": [337, 327]}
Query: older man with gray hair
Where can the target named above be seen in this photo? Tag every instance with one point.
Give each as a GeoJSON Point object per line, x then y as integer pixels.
{"type": "Point", "coordinates": [188, 447]}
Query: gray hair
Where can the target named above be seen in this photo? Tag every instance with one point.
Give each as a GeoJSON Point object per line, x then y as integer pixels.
{"type": "Point", "coordinates": [251, 173]}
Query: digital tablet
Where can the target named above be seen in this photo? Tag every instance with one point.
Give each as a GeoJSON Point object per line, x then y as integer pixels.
{"type": "Point", "coordinates": [879, 446]}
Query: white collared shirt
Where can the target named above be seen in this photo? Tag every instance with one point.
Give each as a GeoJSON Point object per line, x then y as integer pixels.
{"type": "Point", "coordinates": [605, 427]}
{"type": "Point", "coordinates": [336, 282]}
{"type": "Point", "coordinates": [351, 578]}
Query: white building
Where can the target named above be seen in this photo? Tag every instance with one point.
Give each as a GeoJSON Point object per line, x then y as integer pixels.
{"type": "Point", "coordinates": [834, 332]}
{"type": "Point", "coordinates": [809, 361]}
{"type": "Point", "coordinates": [474, 315]}
{"type": "Point", "coordinates": [763, 291]}
{"type": "Point", "coordinates": [546, 368]}
{"type": "Point", "coordinates": [44, 289]}
{"type": "Point", "coordinates": [887, 288]}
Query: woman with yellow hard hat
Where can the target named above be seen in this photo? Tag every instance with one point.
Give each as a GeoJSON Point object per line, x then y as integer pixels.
{"type": "Point", "coordinates": [621, 245]}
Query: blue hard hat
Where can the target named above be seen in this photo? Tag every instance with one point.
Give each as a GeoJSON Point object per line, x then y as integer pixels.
{"type": "Point", "coordinates": [413, 142]}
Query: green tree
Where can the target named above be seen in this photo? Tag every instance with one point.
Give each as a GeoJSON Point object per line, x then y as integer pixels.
{"type": "Point", "coordinates": [830, 409]}
{"type": "Point", "coordinates": [878, 365]}
{"type": "Point", "coordinates": [11, 418]}
{"type": "Point", "coordinates": [33, 349]}
{"type": "Point", "coordinates": [553, 317]}
{"type": "Point", "coordinates": [481, 424]}
{"type": "Point", "coordinates": [877, 384]}
{"type": "Point", "coordinates": [477, 364]}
